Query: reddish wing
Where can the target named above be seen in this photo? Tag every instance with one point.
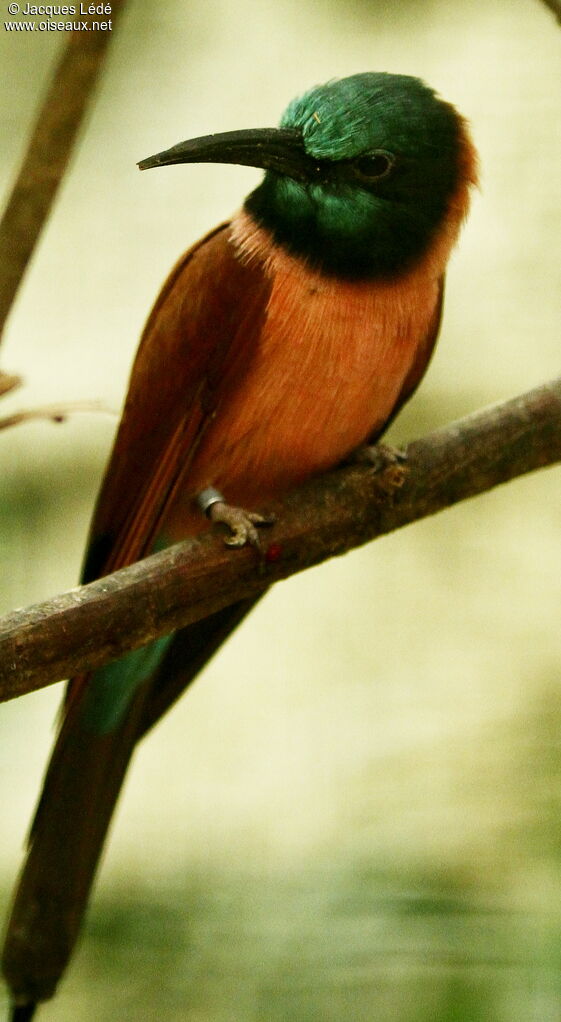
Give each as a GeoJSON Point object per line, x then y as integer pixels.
{"type": "Point", "coordinates": [202, 329]}
{"type": "Point", "coordinates": [423, 356]}
{"type": "Point", "coordinates": [209, 313]}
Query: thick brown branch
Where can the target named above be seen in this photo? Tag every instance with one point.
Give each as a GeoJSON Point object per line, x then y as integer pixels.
{"type": "Point", "coordinates": [90, 625]}
{"type": "Point", "coordinates": [48, 152]}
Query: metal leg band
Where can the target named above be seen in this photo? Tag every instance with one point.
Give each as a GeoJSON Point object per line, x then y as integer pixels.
{"type": "Point", "coordinates": [206, 498]}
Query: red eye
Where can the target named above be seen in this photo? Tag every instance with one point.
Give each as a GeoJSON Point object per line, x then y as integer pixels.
{"type": "Point", "coordinates": [374, 166]}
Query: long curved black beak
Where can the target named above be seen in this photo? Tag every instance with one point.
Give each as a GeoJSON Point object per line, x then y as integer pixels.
{"type": "Point", "coordinates": [278, 149]}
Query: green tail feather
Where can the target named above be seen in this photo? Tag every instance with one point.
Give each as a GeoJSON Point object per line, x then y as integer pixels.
{"type": "Point", "coordinates": [111, 688]}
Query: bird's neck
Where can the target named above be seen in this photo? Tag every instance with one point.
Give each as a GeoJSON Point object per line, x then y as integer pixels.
{"type": "Point", "coordinates": [257, 240]}
{"type": "Point", "coordinates": [334, 233]}
{"type": "Point", "coordinates": [354, 235]}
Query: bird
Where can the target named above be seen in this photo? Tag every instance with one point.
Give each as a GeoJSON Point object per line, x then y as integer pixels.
{"type": "Point", "coordinates": [282, 342]}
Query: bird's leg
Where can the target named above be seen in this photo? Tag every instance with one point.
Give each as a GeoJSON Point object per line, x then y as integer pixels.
{"type": "Point", "coordinates": [388, 464]}
{"type": "Point", "coordinates": [241, 523]}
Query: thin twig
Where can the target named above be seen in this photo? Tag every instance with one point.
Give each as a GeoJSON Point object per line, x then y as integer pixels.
{"type": "Point", "coordinates": [8, 382]}
{"type": "Point", "coordinates": [55, 413]}
{"type": "Point", "coordinates": [91, 625]}
{"type": "Point", "coordinates": [48, 153]}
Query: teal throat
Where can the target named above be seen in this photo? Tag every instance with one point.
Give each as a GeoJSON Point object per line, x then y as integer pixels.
{"type": "Point", "coordinates": [341, 235]}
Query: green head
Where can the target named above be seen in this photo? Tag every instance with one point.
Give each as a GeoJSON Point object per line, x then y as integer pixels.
{"type": "Point", "coordinates": [388, 149]}
{"type": "Point", "coordinates": [360, 174]}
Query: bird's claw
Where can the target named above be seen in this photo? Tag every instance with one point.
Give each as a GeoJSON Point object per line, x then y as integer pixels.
{"type": "Point", "coordinates": [388, 464]}
{"type": "Point", "coordinates": [241, 523]}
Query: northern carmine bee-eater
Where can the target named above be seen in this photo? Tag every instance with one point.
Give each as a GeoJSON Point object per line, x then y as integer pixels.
{"type": "Point", "coordinates": [280, 343]}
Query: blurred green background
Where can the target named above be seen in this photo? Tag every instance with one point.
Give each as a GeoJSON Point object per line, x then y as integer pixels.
{"type": "Point", "coordinates": [356, 812]}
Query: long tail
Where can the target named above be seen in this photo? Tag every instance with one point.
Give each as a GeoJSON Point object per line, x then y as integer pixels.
{"type": "Point", "coordinates": [22, 1012]}
{"type": "Point", "coordinates": [81, 788]}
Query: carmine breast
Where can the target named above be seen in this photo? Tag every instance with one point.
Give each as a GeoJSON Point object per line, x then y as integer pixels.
{"type": "Point", "coordinates": [327, 372]}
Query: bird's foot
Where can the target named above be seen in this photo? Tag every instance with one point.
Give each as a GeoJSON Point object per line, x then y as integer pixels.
{"type": "Point", "coordinates": [388, 464]}
{"type": "Point", "coordinates": [241, 523]}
